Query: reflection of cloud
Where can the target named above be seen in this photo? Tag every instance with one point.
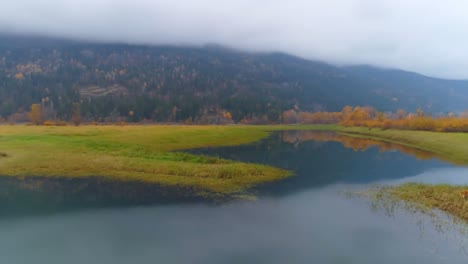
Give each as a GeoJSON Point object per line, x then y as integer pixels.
{"type": "Point", "coordinates": [453, 176]}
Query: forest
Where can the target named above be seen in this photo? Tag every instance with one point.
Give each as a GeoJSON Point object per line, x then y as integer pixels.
{"type": "Point", "coordinates": [110, 83]}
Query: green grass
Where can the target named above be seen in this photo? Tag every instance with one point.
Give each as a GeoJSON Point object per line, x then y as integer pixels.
{"type": "Point", "coordinates": [134, 153]}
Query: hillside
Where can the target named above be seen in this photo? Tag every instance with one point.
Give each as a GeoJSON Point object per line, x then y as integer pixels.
{"type": "Point", "coordinates": [113, 82]}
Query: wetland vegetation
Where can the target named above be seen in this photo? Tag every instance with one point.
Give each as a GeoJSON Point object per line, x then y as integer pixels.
{"type": "Point", "coordinates": [155, 155]}
{"type": "Point", "coordinates": [133, 153]}
{"type": "Point", "coordinates": [425, 197]}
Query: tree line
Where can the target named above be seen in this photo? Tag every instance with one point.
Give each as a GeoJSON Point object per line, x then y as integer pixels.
{"type": "Point", "coordinates": [349, 116]}
{"type": "Point", "coordinates": [371, 118]}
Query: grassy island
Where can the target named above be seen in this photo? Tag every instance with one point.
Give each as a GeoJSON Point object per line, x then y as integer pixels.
{"type": "Point", "coordinates": [134, 153]}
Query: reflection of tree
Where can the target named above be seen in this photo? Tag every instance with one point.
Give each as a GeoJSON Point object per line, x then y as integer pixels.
{"type": "Point", "coordinates": [40, 195]}
{"type": "Point", "coordinates": [357, 144]}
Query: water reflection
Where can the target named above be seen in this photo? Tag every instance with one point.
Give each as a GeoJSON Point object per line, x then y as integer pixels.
{"type": "Point", "coordinates": [320, 159]}
{"type": "Point", "coordinates": [452, 176]}
{"type": "Point", "coordinates": [354, 143]}
{"type": "Point", "coordinates": [311, 227]}
{"type": "Point", "coordinates": [25, 196]}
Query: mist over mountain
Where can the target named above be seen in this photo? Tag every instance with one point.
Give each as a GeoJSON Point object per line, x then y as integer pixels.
{"type": "Point", "coordinates": [425, 36]}
{"type": "Point", "coordinates": [173, 83]}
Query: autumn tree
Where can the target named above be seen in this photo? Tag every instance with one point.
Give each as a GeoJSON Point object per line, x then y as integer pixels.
{"type": "Point", "coordinates": [19, 76]}
{"type": "Point", "coordinates": [35, 116]}
{"type": "Point", "coordinates": [419, 112]}
{"type": "Point", "coordinates": [381, 116]}
{"type": "Point", "coordinates": [346, 112]}
{"type": "Point", "coordinates": [76, 114]}
{"type": "Point", "coordinates": [401, 114]}
{"type": "Point", "coordinates": [290, 117]}
{"type": "Point", "coordinates": [228, 116]}
{"type": "Point", "coordinates": [173, 116]}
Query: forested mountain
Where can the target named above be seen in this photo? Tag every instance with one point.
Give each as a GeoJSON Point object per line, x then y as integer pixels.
{"type": "Point", "coordinates": [111, 82]}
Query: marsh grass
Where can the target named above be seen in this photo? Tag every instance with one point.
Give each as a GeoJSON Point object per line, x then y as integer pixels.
{"type": "Point", "coordinates": [431, 208]}
{"type": "Point", "coordinates": [445, 198]}
{"type": "Point", "coordinates": [151, 154]}
{"type": "Point", "coordinates": [437, 205]}
{"type": "Point", "coordinates": [425, 199]}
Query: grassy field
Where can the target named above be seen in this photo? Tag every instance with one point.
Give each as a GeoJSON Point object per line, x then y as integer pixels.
{"type": "Point", "coordinates": [134, 153]}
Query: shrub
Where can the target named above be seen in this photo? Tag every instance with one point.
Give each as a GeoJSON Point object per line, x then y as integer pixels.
{"type": "Point", "coordinates": [54, 123]}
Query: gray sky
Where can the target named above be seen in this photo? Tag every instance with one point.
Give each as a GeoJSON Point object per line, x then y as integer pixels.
{"type": "Point", "coordinates": [426, 36]}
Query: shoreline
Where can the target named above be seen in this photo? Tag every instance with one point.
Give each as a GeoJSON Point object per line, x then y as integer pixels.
{"type": "Point", "coordinates": [447, 146]}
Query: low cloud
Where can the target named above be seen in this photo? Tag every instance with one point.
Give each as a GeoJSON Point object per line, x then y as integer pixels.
{"type": "Point", "coordinates": [426, 36]}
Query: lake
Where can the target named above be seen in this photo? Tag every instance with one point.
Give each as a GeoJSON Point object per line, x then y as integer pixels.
{"type": "Point", "coordinates": [307, 218]}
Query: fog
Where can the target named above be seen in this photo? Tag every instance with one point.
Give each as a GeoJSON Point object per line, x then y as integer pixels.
{"type": "Point", "coordinates": [425, 36]}
{"type": "Point", "coordinates": [452, 176]}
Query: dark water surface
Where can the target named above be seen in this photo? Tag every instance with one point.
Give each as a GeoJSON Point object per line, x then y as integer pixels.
{"type": "Point", "coordinates": [304, 219]}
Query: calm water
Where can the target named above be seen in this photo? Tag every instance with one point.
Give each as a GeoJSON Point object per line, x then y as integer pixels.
{"type": "Point", "coordinates": [305, 219]}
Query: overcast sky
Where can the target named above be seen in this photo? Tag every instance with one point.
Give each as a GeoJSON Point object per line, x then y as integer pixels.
{"type": "Point", "coordinates": [426, 36]}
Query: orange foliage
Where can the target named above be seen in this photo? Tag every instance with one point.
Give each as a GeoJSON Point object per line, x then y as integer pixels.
{"type": "Point", "coordinates": [292, 117]}
{"type": "Point", "coordinates": [289, 117]}
{"type": "Point", "coordinates": [54, 123]}
{"type": "Point", "coordinates": [371, 118]}
{"type": "Point", "coordinates": [411, 122]}
{"type": "Point", "coordinates": [464, 194]}
{"type": "Point", "coordinates": [228, 116]}
{"type": "Point", "coordinates": [19, 76]}
{"type": "Point", "coordinates": [36, 114]}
